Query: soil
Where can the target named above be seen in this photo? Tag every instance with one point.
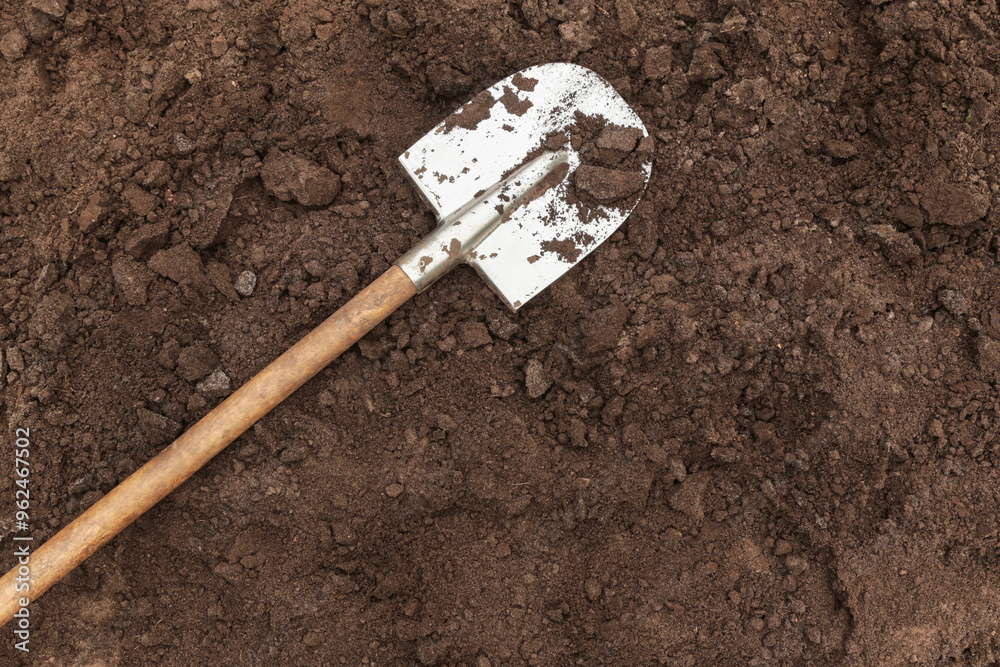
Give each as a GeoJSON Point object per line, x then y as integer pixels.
{"type": "Point", "coordinates": [757, 426]}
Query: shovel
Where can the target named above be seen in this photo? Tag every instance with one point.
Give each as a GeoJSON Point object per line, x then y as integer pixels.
{"type": "Point", "coordinates": [527, 178]}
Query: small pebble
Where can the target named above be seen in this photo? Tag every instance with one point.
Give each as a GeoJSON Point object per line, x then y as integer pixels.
{"type": "Point", "coordinates": [393, 490]}
{"type": "Point", "coordinates": [953, 301]}
{"type": "Point", "coordinates": [535, 378]}
{"type": "Point", "coordinates": [184, 145]}
{"type": "Point", "coordinates": [592, 587]}
{"type": "Point", "coordinates": [216, 384]}
{"type": "Point", "coordinates": [246, 282]}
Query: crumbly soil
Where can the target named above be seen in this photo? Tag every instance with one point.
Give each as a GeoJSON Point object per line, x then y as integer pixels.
{"type": "Point", "coordinates": [757, 426]}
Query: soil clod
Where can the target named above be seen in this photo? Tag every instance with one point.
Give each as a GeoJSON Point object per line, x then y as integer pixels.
{"type": "Point", "coordinates": [608, 185]}
{"type": "Point", "coordinates": [292, 177]}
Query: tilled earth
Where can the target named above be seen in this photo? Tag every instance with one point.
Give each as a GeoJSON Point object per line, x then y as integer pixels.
{"type": "Point", "coordinates": [758, 426]}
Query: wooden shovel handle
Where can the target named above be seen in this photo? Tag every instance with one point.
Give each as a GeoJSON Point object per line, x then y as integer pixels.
{"type": "Point", "coordinates": [165, 472]}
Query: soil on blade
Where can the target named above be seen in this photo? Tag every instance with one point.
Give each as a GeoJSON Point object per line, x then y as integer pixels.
{"type": "Point", "coordinates": [757, 426]}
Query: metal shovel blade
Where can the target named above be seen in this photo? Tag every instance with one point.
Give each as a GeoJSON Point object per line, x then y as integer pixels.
{"type": "Point", "coordinates": [527, 178]}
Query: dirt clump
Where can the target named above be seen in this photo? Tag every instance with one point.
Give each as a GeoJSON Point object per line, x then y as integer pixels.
{"type": "Point", "coordinates": [954, 205]}
{"type": "Point", "coordinates": [473, 112]}
{"type": "Point", "coordinates": [608, 185]}
{"type": "Point", "coordinates": [289, 177]}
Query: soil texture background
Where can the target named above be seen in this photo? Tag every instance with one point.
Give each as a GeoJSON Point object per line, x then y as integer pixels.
{"type": "Point", "coordinates": [757, 426]}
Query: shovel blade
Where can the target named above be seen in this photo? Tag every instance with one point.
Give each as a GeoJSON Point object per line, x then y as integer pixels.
{"type": "Point", "coordinates": [482, 150]}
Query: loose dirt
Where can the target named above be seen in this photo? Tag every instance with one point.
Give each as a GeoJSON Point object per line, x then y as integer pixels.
{"type": "Point", "coordinates": [757, 426]}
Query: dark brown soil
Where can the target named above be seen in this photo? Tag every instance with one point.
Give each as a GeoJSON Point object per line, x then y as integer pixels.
{"type": "Point", "coordinates": [758, 426]}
